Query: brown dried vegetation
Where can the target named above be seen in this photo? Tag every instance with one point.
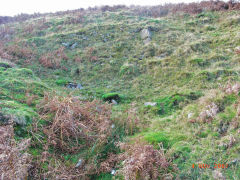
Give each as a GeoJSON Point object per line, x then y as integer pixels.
{"type": "Point", "coordinates": [53, 59]}
{"type": "Point", "coordinates": [142, 161]}
{"type": "Point", "coordinates": [75, 124]}
{"type": "Point", "coordinates": [17, 51]}
{"type": "Point", "coordinates": [14, 162]}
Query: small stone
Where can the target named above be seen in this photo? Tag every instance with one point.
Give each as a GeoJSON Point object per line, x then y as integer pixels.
{"type": "Point", "coordinates": [190, 115]}
{"type": "Point", "coordinates": [66, 44]}
{"type": "Point", "coordinates": [145, 33]}
{"type": "Point", "coordinates": [113, 172]}
{"type": "Point", "coordinates": [114, 102]}
{"type": "Point", "coordinates": [6, 66]}
{"type": "Point", "coordinates": [150, 104]}
{"type": "Point", "coordinates": [74, 86]}
{"type": "Point", "coordinates": [113, 126]}
{"type": "Point", "coordinates": [80, 162]}
{"type": "Point", "coordinates": [74, 46]}
{"type": "Point", "coordinates": [79, 86]}
{"type": "Point", "coordinates": [234, 162]}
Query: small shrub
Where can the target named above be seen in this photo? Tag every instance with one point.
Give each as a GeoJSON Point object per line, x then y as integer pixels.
{"type": "Point", "coordinates": [199, 62]}
{"type": "Point", "coordinates": [61, 82]}
{"type": "Point", "coordinates": [111, 96]}
{"type": "Point", "coordinates": [168, 104]}
{"type": "Point", "coordinates": [126, 69]}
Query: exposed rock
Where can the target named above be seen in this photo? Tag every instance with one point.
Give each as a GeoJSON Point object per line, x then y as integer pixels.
{"type": "Point", "coordinates": [146, 34]}
{"type": "Point", "coordinates": [67, 45]}
{"type": "Point", "coordinates": [113, 172]}
{"type": "Point", "coordinates": [85, 38]}
{"type": "Point", "coordinates": [74, 46]}
{"type": "Point", "coordinates": [137, 30]}
{"type": "Point", "coordinates": [114, 102]}
{"type": "Point", "coordinates": [6, 66]}
{"type": "Point", "coordinates": [74, 86]}
{"type": "Point", "coordinates": [155, 29]}
{"type": "Point", "coordinates": [79, 164]}
{"type": "Point", "coordinates": [234, 162]}
{"type": "Point", "coordinates": [190, 115]}
{"type": "Point", "coordinates": [141, 57]}
{"type": "Point", "coordinates": [150, 104]}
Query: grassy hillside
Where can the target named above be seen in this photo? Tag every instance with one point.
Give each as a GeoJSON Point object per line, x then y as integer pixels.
{"type": "Point", "coordinates": [56, 72]}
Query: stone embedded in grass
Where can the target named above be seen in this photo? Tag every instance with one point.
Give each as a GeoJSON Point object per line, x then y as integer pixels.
{"type": "Point", "coordinates": [150, 104]}
{"type": "Point", "coordinates": [74, 86]}
{"type": "Point", "coordinates": [114, 102]}
{"type": "Point", "coordinates": [74, 46]}
{"type": "Point", "coordinates": [5, 65]}
{"type": "Point", "coordinates": [79, 164]}
{"type": "Point", "coordinates": [113, 172]}
{"type": "Point", "coordinates": [67, 45]}
{"type": "Point", "coordinates": [146, 33]}
{"type": "Point", "coordinates": [190, 115]}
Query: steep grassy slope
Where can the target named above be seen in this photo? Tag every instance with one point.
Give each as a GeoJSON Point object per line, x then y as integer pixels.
{"type": "Point", "coordinates": [188, 67]}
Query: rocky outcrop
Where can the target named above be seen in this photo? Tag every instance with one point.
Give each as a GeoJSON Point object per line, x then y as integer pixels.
{"type": "Point", "coordinates": [146, 35]}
